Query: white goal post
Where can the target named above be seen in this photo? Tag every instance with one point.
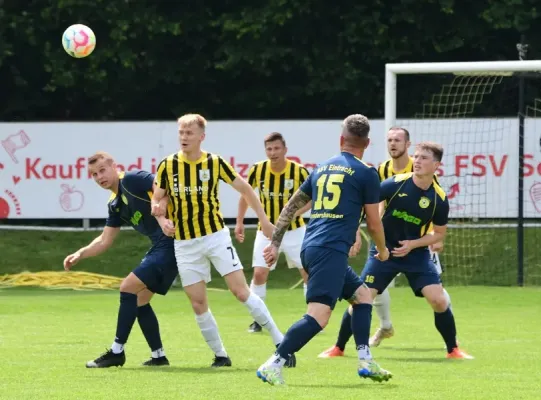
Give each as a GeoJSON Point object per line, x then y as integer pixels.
{"type": "Point", "coordinates": [494, 67]}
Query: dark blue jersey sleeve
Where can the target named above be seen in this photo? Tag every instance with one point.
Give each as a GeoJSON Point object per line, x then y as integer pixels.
{"type": "Point", "coordinates": [387, 189]}
{"type": "Point", "coordinates": [372, 189]}
{"type": "Point", "coordinates": [113, 220]}
{"type": "Point", "coordinates": [441, 214]}
{"type": "Point", "coordinates": [138, 181]}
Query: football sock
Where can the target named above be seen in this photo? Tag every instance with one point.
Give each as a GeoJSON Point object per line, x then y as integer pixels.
{"type": "Point", "coordinates": [445, 324]}
{"type": "Point", "coordinates": [209, 330]}
{"type": "Point", "coordinates": [361, 318]}
{"type": "Point", "coordinates": [149, 326]}
{"type": "Point", "coordinates": [382, 304]}
{"type": "Point", "coordinates": [260, 313]}
{"type": "Point", "coordinates": [345, 332]}
{"type": "Point", "coordinates": [259, 290]}
{"type": "Point", "coordinates": [300, 333]}
{"type": "Point", "coordinates": [127, 313]}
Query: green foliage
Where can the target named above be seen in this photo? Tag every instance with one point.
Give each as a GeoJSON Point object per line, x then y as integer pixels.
{"type": "Point", "coordinates": [271, 59]}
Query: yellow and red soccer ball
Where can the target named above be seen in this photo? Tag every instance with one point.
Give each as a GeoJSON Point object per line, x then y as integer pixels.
{"type": "Point", "coordinates": [79, 41]}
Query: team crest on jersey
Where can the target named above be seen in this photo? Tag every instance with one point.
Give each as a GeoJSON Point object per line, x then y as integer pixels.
{"type": "Point", "coordinates": [204, 175]}
{"type": "Point", "coordinates": [289, 183]}
{"type": "Point", "coordinates": [424, 202]}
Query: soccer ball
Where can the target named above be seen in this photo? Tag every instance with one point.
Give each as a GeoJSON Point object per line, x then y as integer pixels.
{"type": "Point", "coordinates": [79, 41]}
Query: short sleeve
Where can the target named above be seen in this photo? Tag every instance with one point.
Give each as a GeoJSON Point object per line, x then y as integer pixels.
{"type": "Point", "coordinates": [227, 173]}
{"type": "Point", "coordinates": [113, 220]}
{"type": "Point", "coordinates": [303, 174]}
{"type": "Point", "coordinates": [161, 175]}
{"type": "Point", "coordinates": [252, 177]}
{"type": "Point", "coordinates": [306, 187]}
{"type": "Point", "coordinates": [441, 214]}
{"type": "Point", "coordinates": [138, 181]}
{"type": "Point", "coordinates": [371, 190]}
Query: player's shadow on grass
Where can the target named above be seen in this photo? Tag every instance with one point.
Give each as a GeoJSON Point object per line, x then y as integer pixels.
{"type": "Point", "coordinates": [416, 349]}
{"type": "Point", "coordinates": [415, 359]}
{"type": "Point", "coordinates": [198, 370]}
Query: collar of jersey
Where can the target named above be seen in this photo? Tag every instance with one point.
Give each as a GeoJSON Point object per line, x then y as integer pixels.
{"type": "Point", "coordinates": [200, 159]}
{"type": "Point", "coordinates": [282, 171]}
{"type": "Point", "coordinates": [407, 168]}
{"type": "Point", "coordinates": [120, 177]}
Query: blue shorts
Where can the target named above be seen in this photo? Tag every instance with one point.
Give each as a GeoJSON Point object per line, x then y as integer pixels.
{"type": "Point", "coordinates": [330, 278]}
{"type": "Point", "coordinates": [158, 269]}
{"type": "Point", "coordinates": [379, 274]}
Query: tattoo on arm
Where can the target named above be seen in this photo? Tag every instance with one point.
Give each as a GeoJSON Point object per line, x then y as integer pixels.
{"type": "Point", "coordinates": [297, 201]}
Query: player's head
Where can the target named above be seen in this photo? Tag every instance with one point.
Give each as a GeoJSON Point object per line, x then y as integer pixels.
{"type": "Point", "coordinates": [355, 130]}
{"type": "Point", "coordinates": [103, 170]}
{"type": "Point", "coordinates": [398, 142]}
{"type": "Point", "coordinates": [275, 147]}
{"type": "Point", "coordinates": [191, 132]}
{"type": "Point", "coordinates": [427, 158]}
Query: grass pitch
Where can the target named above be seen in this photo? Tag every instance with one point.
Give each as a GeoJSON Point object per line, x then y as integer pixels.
{"type": "Point", "coordinates": [47, 336]}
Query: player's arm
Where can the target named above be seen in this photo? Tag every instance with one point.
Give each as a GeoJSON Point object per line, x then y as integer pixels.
{"type": "Point", "coordinates": [438, 235]}
{"type": "Point", "coordinates": [95, 248]}
{"type": "Point", "coordinates": [374, 226]}
{"type": "Point", "coordinates": [243, 207]}
{"type": "Point", "coordinates": [303, 176]}
{"type": "Point", "coordinates": [303, 209]}
{"type": "Point", "coordinates": [159, 191]}
{"type": "Point", "coordinates": [299, 200]}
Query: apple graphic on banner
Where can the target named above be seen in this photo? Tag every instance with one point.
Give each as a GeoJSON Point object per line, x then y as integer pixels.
{"type": "Point", "coordinates": [71, 199]}
{"type": "Point", "coordinates": [4, 208]}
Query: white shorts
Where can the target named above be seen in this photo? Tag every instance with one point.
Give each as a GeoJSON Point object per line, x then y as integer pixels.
{"type": "Point", "coordinates": [194, 257]}
{"type": "Point", "coordinates": [436, 260]}
{"type": "Point", "coordinates": [291, 247]}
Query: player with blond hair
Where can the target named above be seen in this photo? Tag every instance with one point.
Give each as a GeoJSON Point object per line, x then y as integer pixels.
{"type": "Point", "coordinates": [190, 177]}
{"type": "Point", "coordinates": [129, 204]}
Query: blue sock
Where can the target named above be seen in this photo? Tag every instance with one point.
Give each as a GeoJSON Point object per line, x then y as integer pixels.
{"type": "Point", "coordinates": [445, 324]}
{"type": "Point", "coordinates": [300, 333]}
{"type": "Point", "coordinates": [127, 313]}
{"type": "Point", "coordinates": [149, 326]}
{"type": "Point", "coordinates": [345, 332]}
{"type": "Point", "coordinates": [361, 318]}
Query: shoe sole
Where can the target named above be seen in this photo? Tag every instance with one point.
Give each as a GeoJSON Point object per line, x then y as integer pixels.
{"type": "Point", "coordinates": [376, 378]}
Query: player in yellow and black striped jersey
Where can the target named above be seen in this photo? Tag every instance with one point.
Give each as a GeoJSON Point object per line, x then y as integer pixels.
{"type": "Point", "coordinates": [276, 179]}
{"type": "Point", "coordinates": [191, 178]}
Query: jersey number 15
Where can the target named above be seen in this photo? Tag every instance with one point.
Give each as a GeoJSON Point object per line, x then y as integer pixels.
{"type": "Point", "coordinates": [328, 191]}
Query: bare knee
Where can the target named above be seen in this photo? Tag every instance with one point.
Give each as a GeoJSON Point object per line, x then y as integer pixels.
{"type": "Point", "coordinates": [438, 302]}
{"type": "Point", "coordinates": [363, 295]}
{"type": "Point", "coordinates": [143, 297]}
{"type": "Point", "coordinates": [261, 275]}
{"type": "Point", "coordinates": [132, 284]}
{"type": "Point", "coordinates": [236, 282]}
{"type": "Point", "coordinates": [320, 312]}
{"type": "Point", "coordinates": [197, 294]}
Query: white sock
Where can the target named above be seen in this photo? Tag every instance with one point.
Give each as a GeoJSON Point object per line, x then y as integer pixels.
{"type": "Point", "coordinates": [446, 294]}
{"type": "Point", "coordinates": [261, 315]}
{"type": "Point", "coordinates": [117, 348]}
{"type": "Point", "coordinates": [382, 304]}
{"type": "Point", "coordinates": [275, 361]}
{"type": "Point", "coordinates": [260, 290]}
{"type": "Point", "coordinates": [158, 353]}
{"type": "Point", "coordinates": [209, 330]}
{"type": "Point", "coordinates": [305, 288]}
{"type": "Point", "coordinates": [364, 352]}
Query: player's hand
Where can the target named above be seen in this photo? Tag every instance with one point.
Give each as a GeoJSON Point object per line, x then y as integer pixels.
{"type": "Point", "coordinates": [436, 247]}
{"type": "Point", "coordinates": [267, 228]}
{"type": "Point", "coordinates": [270, 254]}
{"type": "Point", "coordinates": [71, 260]}
{"type": "Point", "coordinates": [383, 254]}
{"type": "Point", "coordinates": [403, 250]}
{"type": "Point", "coordinates": [356, 246]}
{"type": "Point", "coordinates": [157, 211]}
{"type": "Point", "coordinates": [239, 232]}
{"type": "Point", "coordinates": [168, 227]}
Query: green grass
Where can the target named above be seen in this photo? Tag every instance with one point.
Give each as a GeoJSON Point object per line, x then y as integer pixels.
{"type": "Point", "coordinates": [47, 336]}
{"type": "Point", "coordinates": [471, 256]}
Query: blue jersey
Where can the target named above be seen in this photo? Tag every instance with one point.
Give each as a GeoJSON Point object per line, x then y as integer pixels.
{"type": "Point", "coordinates": [339, 188]}
{"type": "Point", "coordinates": [131, 206]}
{"type": "Point", "coordinates": [410, 211]}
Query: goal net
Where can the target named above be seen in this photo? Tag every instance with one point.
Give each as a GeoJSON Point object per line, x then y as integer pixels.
{"type": "Point", "coordinates": [472, 110]}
